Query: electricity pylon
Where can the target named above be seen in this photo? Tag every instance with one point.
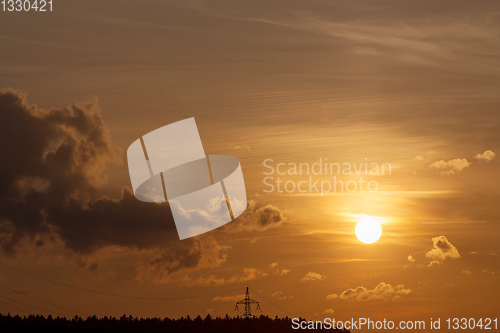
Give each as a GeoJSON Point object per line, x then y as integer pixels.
{"type": "Point", "coordinates": [248, 305]}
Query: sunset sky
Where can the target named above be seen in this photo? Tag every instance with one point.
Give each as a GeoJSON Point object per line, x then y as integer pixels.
{"type": "Point", "coordinates": [414, 84]}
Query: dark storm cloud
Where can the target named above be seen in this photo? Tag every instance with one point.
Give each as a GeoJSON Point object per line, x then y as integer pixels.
{"type": "Point", "coordinates": [53, 162]}
{"type": "Point", "coordinates": [50, 159]}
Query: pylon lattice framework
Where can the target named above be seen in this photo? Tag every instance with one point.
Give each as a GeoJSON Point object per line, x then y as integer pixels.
{"type": "Point", "coordinates": [248, 305]}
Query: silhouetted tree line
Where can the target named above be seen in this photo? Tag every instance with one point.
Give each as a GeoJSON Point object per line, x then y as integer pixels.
{"type": "Point", "coordinates": [37, 323]}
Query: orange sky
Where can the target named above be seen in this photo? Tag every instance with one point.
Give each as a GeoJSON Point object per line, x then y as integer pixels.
{"type": "Point", "coordinates": [414, 84]}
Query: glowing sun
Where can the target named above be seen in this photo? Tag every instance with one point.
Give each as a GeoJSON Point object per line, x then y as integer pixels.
{"type": "Point", "coordinates": [368, 230]}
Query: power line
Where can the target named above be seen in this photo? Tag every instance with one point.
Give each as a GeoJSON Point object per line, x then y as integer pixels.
{"type": "Point", "coordinates": [35, 307]}
{"type": "Point", "coordinates": [272, 303]}
{"type": "Point", "coordinates": [12, 306]}
{"type": "Point", "coordinates": [39, 300]}
{"type": "Point", "coordinates": [111, 294]}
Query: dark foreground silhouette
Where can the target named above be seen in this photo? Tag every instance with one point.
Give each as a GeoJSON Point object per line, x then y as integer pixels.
{"type": "Point", "coordinates": [36, 323]}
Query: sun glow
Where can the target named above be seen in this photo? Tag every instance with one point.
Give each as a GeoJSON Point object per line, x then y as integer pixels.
{"type": "Point", "coordinates": [368, 230]}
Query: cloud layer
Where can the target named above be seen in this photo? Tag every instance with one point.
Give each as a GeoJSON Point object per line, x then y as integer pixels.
{"type": "Point", "coordinates": [487, 156]}
{"type": "Point", "coordinates": [311, 276]}
{"type": "Point", "coordinates": [442, 250]}
{"type": "Point", "coordinates": [257, 218]}
{"type": "Point", "coordinates": [450, 167]}
{"type": "Point", "coordinates": [55, 161]}
{"type": "Point", "coordinates": [457, 165]}
{"type": "Point", "coordinates": [382, 292]}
